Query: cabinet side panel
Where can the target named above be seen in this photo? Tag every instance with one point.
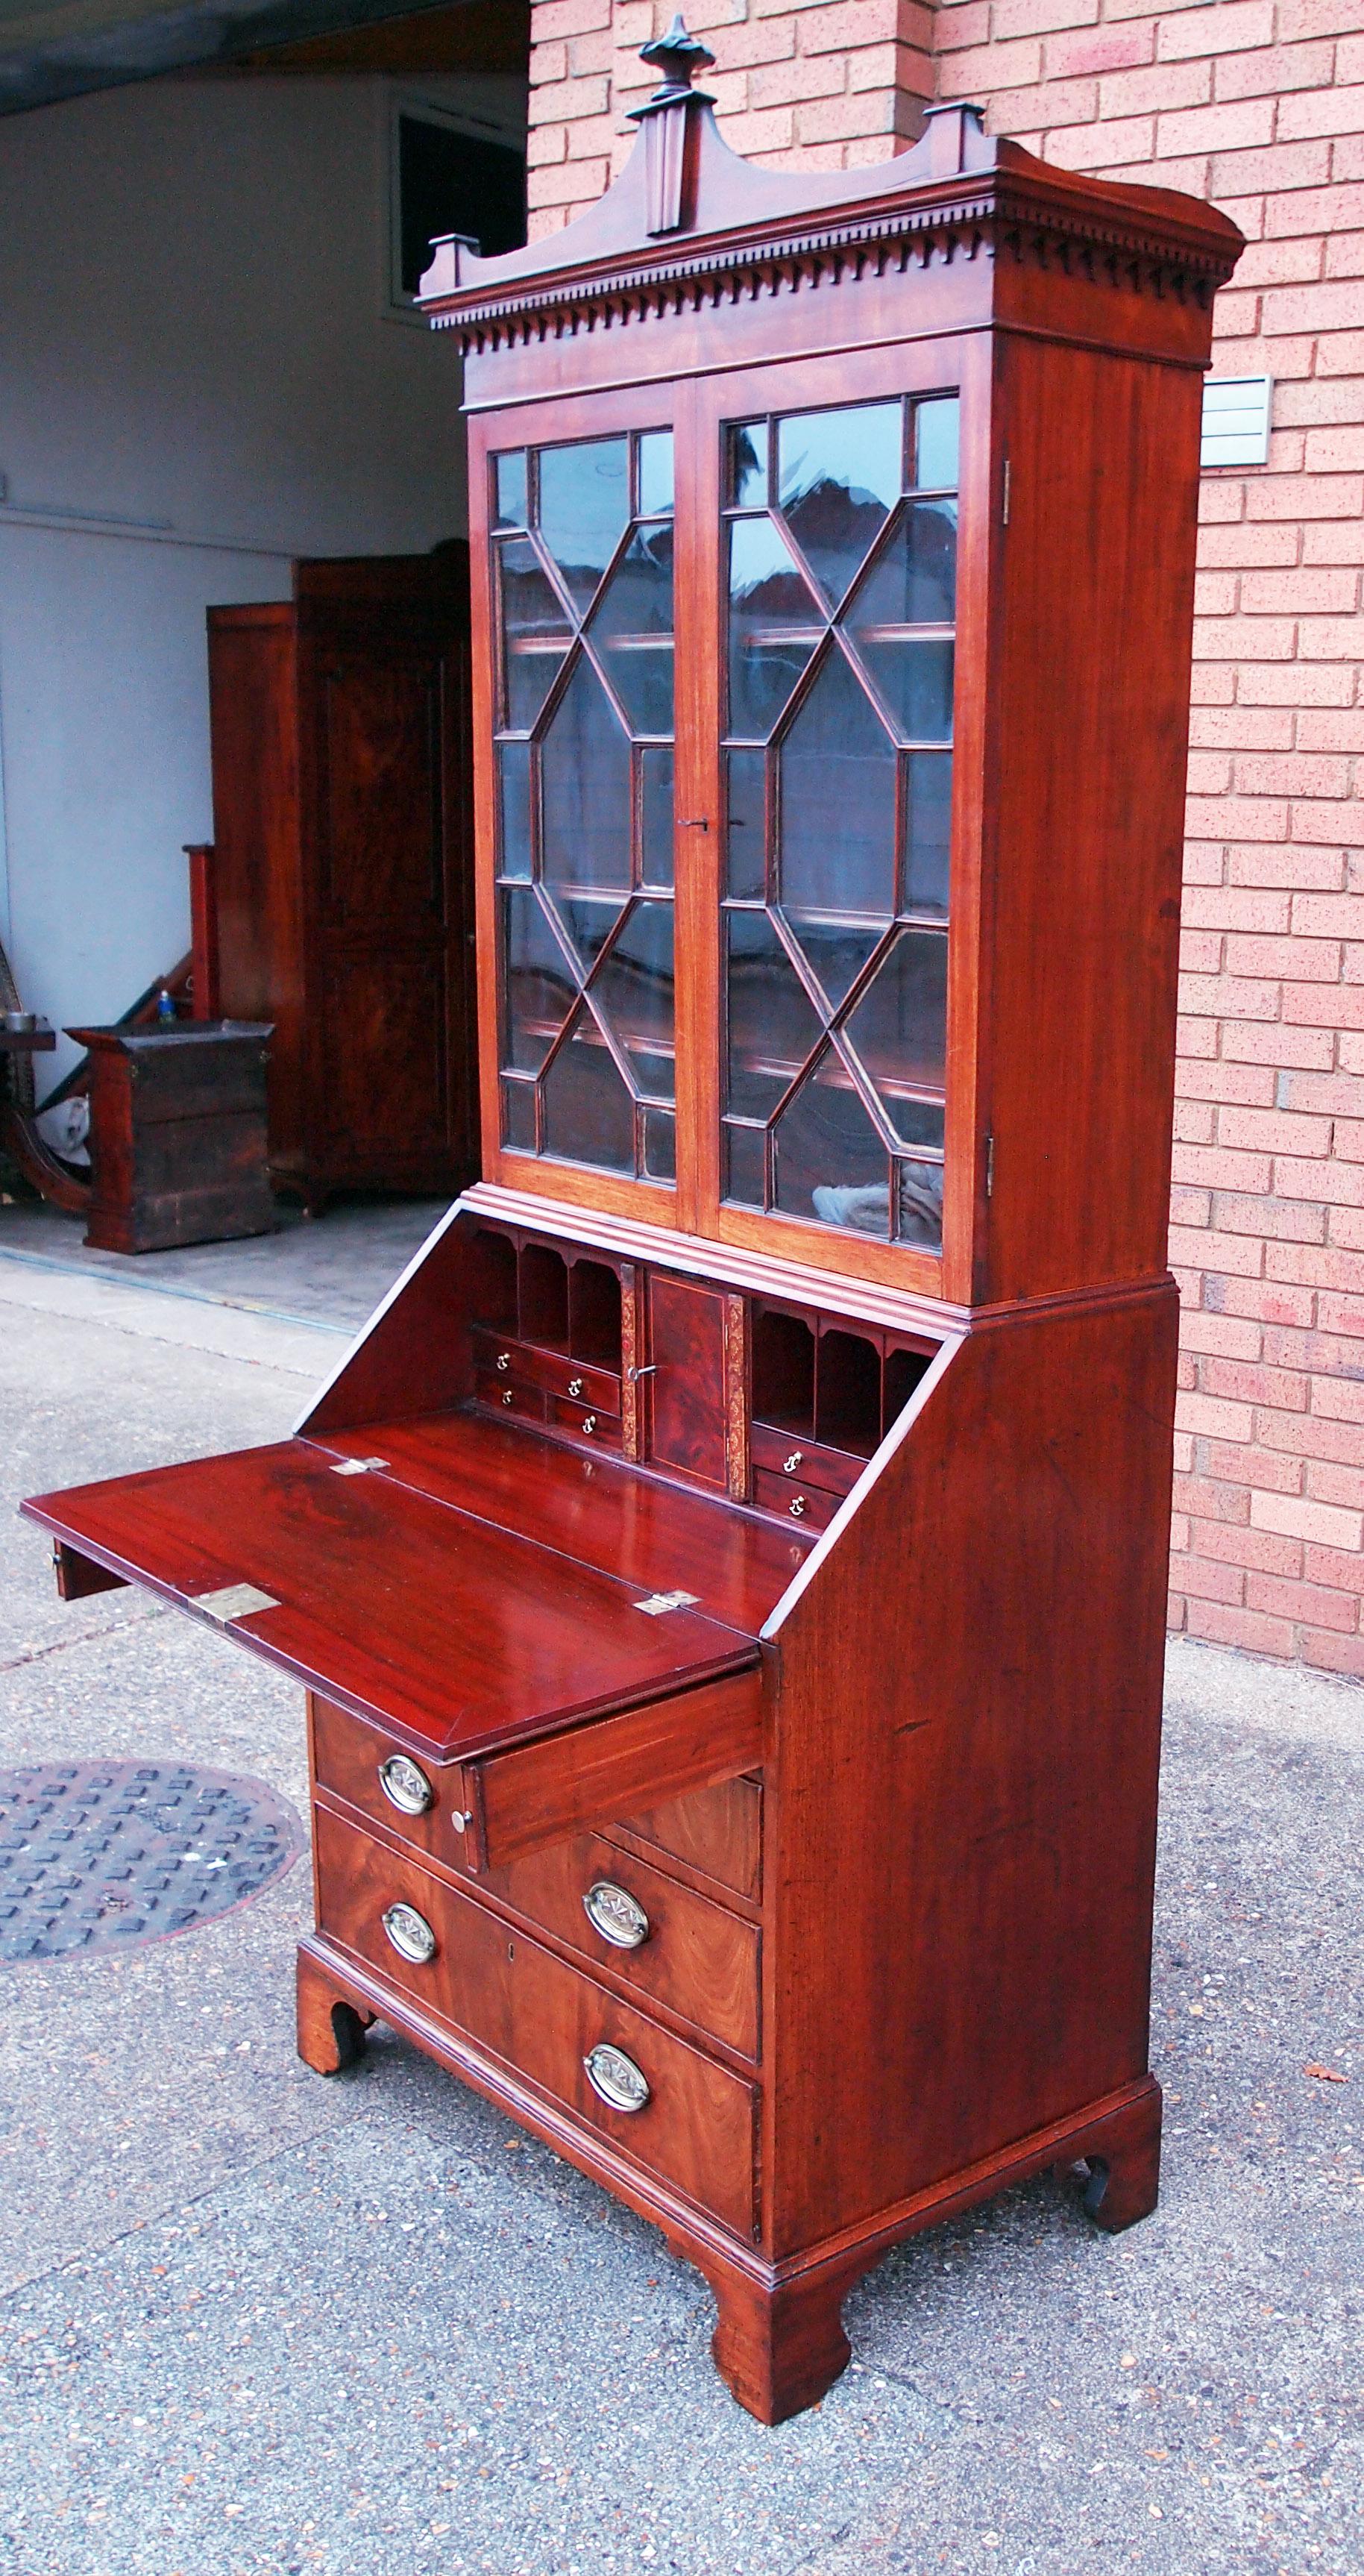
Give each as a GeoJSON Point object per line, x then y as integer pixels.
{"type": "Point", "coordinates": [1092, 713]}
{"type": "Point", "coordinates": [252, 669]}
{"type": "Point", "coordinates": [961, 1817]}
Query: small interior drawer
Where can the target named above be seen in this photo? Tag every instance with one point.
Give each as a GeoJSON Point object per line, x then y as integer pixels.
{"type": "Point", "coordinates": [804, 1462]}
{"type": "Point", "coordinates": [584, 1422]}
{"type": "Point", "coordinates": [559, 1374]}
{"type": "Point", "coordinates": [808, 1504]}
{"type": "Point", "coordinates": [510, 1395]}
{"type": "Point", "coordinates": [697, 2126]}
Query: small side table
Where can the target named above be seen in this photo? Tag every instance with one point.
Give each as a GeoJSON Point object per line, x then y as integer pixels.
{"type": "Point", "coordinates": [177, 1134]}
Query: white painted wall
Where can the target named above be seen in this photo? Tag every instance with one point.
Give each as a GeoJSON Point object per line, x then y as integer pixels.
{"type": "Point", "coordinates": [193, 337]}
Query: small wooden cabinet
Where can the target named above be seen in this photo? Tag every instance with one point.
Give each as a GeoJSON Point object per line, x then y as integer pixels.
{"type": "Point", "coordinates": [730, 1573]}
{"type": "Point", "coordinates": [339, 882]}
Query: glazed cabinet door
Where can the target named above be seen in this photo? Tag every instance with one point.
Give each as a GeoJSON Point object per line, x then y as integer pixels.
{"type": "Point", "coordinates": [842, 922]}
{"type": "Point", "coordinates": [575, 711]}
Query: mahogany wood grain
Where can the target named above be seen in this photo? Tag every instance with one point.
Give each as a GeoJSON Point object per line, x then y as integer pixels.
{"type": "Point", "coordinates": [716, 1832]}
{"type": "Point", "coordinates": [987, 1820]}
{"type": "Point", "coordinates": [700, 1959]}
{"type": "Point", "coordinates": [464, 1637]}
{"type": "Point", "coordinates": [657, 1536]}
{"type": "Point", "coordinates": [543, 1792]}
{"type": "Point", "coordinates": [543, 2017]}
{"type": "Point", "coordinates": [686, 1401]}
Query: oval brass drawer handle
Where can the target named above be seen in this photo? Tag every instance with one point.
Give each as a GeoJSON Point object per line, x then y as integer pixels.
{"type": "Point", "coordinates": [405, 1785]}
{"type": "Point", "coordinates": [613, 1912]}
{"type": "Point", "coordinates": [410, 1934]}
{"type": "Point", "coordinates": [622, 2085]}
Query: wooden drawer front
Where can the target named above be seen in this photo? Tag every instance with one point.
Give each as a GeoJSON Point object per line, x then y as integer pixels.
{"type": "Point", "coordinates": [717, 1831]}
{"type": "Point", "coordinates": [538, 2015]}
{"type": "Point", "coordinates": [594, 1388]}
{"type": "Point", "coordinates": [699, 1960]}
{"type": "Point", "coordinates": [602, 1429]}
{"type": "Point", "coordinates": [795, 1502]}
{"type": "Point", "coordinates": [347, 1756]}
{"type": "Point", "coordinates": [802, 1462]}
{"type": "Point", "coordinates": [510, 1395]}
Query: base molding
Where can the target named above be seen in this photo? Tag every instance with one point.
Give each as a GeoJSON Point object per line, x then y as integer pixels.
{"type": "Point", "coordinates": [779, 2343]}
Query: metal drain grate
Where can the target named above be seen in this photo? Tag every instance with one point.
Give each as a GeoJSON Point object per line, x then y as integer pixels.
{"type": "Point", "coordinates": [100, 1855]}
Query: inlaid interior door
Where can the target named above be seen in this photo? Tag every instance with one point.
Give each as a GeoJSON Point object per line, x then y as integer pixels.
{"type": "Point", "coordinates": [581, 1024]}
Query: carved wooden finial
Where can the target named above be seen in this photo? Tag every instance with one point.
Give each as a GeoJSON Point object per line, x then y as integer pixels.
{"type": "Point", "coordinates": [679, 57]}
{"type": "Point", "coordinates": [670, 120]}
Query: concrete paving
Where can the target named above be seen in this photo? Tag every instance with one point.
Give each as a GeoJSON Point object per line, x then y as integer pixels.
{"type": "Point", "coordinates": [254, 2321]}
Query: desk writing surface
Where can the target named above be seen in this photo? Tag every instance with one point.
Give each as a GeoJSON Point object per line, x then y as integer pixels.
{"type": "Point", "coordinates": [398, 1605]}
{"type": "Point", "coordinates": [598, 1509]}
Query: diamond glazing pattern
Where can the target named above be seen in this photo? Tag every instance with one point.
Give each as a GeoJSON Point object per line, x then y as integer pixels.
{"type": "Point", "coordinates": [102, 1855]}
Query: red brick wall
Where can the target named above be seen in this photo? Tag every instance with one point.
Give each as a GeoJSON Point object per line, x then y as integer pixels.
{"type": "Point", "coordinates": [1258, 104]}
{"type": "Point", "coordinates": [821, 84]}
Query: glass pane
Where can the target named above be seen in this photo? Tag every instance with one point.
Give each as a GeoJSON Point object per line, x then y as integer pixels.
{"type": "Point", "coordinates": [589, 921]}
{"type": "Point", "coordinates": [535, 632]}
{"type": "Point", "coordinates": [513, 767]}
{"type": "Point", "coordinates": [919, 1190]}
{"type": "Point", "coordinates": [589, 1114]}
{"type": "Point", "coordinates": [915, 680]}
{"type": "Point", "coordinates": [748, 465]}
{"type": "Point", "coordinates": [745, 1159]}
{"type": "Point", "coordinates": [935, 444]}
{"type": "Point", "coordinates": [585, 788]}
{"type": "Point", "coordinates": [633, 993]}
{"type": "Point", "coordinates": [837, 826]}
{"type": "Point", "coordinates": [539, 988]}
{"type": "Point", "coordinates": [913, 581]}
{"type": "Point", "coordinates": [633, 627]}
{"type": "Point", "coordinates": [655, 473]}
{"type": "Point", "coordinates": [929, 834]}
{"type": "Point", "coordinates": [746, 823]}
{"type": "Point", "coordinates": [509, 476]}
{"type": "Point", "coordinates": [837, 952]}
{"type": "Point", "coordinates": [921, 1122]}
{"type": "Point", "coordinates": [584, 509]}
{"type": "Point", "coordinates": [518, 1116]}
{"type": "Point", "coordinates": [660, 1145]}
{"type": "Point", "coordinates": [774, 626]}
{"type": "Point", "coordinates": [830, 1162]}
{"type": "Point", "coordinates": [839, 473]}
{"type": "Point", "coordinates": [656, 831]}
{"type": "Point", "coordinates": [773, 1024]}
{"type": "Point", "coordinates": [899, 1028]}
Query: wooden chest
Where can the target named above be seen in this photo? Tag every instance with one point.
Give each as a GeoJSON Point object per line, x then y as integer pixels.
{"type": "Point", "coordinates": [177, 1134]}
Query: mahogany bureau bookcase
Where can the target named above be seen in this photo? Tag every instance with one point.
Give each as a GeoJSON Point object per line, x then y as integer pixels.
{"type": "Point", "coordinates": [728, 1572]}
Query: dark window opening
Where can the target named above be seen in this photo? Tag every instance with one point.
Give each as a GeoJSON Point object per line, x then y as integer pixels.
{"type": "Point", "coordinates": [456, 183]}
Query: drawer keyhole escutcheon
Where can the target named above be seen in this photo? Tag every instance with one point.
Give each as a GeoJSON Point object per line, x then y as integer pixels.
{"type": "Point", "coordinates": [613, 1912]}
{"type": "Point", "coordinates": [621, 2085]}
{"type": "Point", "coordinates": [789, 1465]}
{"type": "Point", "coordinates": [410, 1934]}
{"type": "Point", "coordinates": [405, 1785]}
{"type": "Point", "coordinates": [575, 1386]}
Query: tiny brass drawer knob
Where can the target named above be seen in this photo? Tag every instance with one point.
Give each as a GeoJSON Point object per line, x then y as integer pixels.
{"type": "Point", "coordinates": [575, 1386]}
{"type": "Point", "coordinates": [504, 1361]}
{"type": "Point", "coordinates": [789, 1465]}
{"type": "Point", "coordinates": [797, 1508]}
{"type": "Point", "coordinates": [410, 1934]}
{"type": "Point", "coordinates": [613, 1912]}
{"type": "Point", "coordinates": [621, 2084]}
{"type": "Point", "coordinates": [589, 1425]}
{"type": "Point", "coordinates": [405, 1785]}
{"type": "Point", "coordinates": [507, 1395]}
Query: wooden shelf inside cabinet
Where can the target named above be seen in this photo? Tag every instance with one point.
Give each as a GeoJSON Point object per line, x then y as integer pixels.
{"type": "Point", "coordinates": [728, 1571]}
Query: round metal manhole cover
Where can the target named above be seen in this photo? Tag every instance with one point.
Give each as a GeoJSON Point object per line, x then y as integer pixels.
{"type": "Point", "coordinates": [101, 1855]}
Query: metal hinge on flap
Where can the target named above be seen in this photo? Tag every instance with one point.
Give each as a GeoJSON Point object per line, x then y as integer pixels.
{"type": "Point", "coordinates": [358, 1466]}
{"type": "Point", "coordinates": [658, 1602]}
